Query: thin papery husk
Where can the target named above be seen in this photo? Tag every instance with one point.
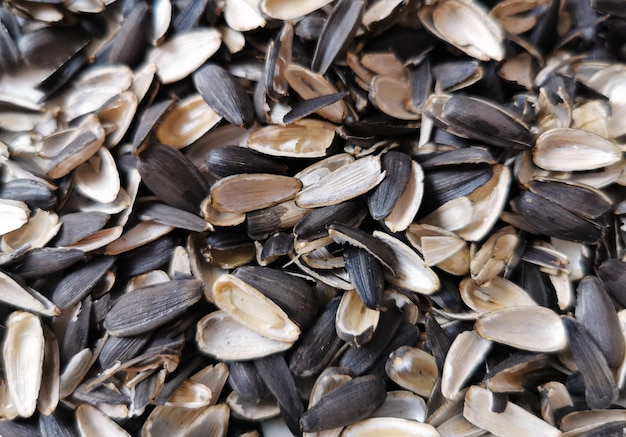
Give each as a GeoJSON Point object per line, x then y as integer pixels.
{"type": "Point", "coordinates": [466, 26]}
{"type": "Point", "coordinates": [569, 149]}
{"type": "Point", "coordinates": [301, 139]}
{"type": "Point", "coordinates": [180, 56]}
{"type": "Point", "coordinates": [252, 309]}
{"type": "Point", "coordinates": [531, 328]}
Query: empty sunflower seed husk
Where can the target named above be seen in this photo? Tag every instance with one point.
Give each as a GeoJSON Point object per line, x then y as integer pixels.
{"type": "Point", "coordinates": [248, 192]}
{"type": "Point", "coordinates": [531, 328]}
{"type": "Point", "coordinates": [514, 420]}
{"type": "Point", "coordinates": [220, 335]}
{"type": "Point", "coordinates": [23, 358]}
{"type": "Point", "coordinates": [253, 309]}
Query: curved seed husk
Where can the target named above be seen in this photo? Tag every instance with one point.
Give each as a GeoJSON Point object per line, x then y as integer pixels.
{"type": "Point", "coordinates": [513, 421]}
{"type": "Point", "coordinates": [568, 149]}
{"type": "Point", "coordinates": [344, 183]}
{"type": "Point", "coordinates": [98, 178]}
{"type": "Point", "coordinates": [389, 426]}
{"type": "Point", "coordinates": [180, 56]}
{"type": "Point", "coordinates": [81, 146]}
{"type": "Point", "coordinates": [466, 26]}
{"type": "Point", "coordinates": [310, 85]}
{"type": "Point", "coordinates": [355, 322]}
{"type": "Point", "coordinates": [287, 10]}
{"type": "Point", "coordinates": [92, 422]}
{"type": "Point", "coordinates": [289, 292]}
{"type": "Point", "coordinates": [13, 293]}
{"type": "Point", "coordinates": [351, 401]}
{"type": "Point", "coordinates": [409, 202]}
{"type": "Point", "coordinates": [467, 352]}
{"type": "Point", "coordinates": [147, 308]}
{"type": "Point", "coordinates": [537, 329]}
{"type": "Point", "coordinates": [254, 310]}
{"type": "Point", "coordinates": [411, 271]}
{"type": "Point", "coordinates": [248, 192]}
{"type": "Point", "coordinates": [220, 335]}
{"type": "Point", "coordinates": [13, 215]}
{"type": "Point", "coordinates": [413, 369]}
{"type": "Point", "coordinates": [23, 357]}
{"type": "Point", "coordinates": [392, 96]}
{"type": "Point", "coordinates": [307, 138]}
{"type": "Point", "coordinates": [402, 404]}
{"type": "Point", "coordinates": [185, 122]}
{"type": "Point", "coordinates": [496, 294]}
{"type": "Point", "coordinates": [224, 94]}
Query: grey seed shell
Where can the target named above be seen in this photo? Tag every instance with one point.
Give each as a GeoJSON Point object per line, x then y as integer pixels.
{"type": "Point", "coordinates": [246, 382]}
{"type": "Point", "coordinates": [274, 371]}
{"type": "Point", "coordinates": [34, 193]}
{"type": "Point", "coordinates": [556, 221]}
{"type": "Point", "coordinates": [121, 349]}
{"type": "Point", "coordinates": [360, 359]}
{"type": "Point", "coordinates": [397, 167]}
{"type": "Point", "coordinates": [172, 177]}
{"type": "Point", "coordinates": [231, 160]}
{"type": "Point", "coordinates": [168, 215]}
{"type": "Point", "coordinates": [147, 308]}
{"type": "Point", "coordinates": [224, 94]}
{"type": "Point", "coordinates": [348, 403]}
{"type": "Point", "coordinates": [337, 33]}
{"type": "Point", "coordinates": [46, 260]}
{"type": "Point", "coordinates": [366, 274]}
{"type": "Point", "coordinates": [79, 225]}
{"type": "Point", "coordinates": [314, 225]}
{"type": "Point", "coordinates": [130, 40]}
{"type": "Point", "coordinates": [595, 311]}
{"type": "Point", "coordinates": [600, 388]}
{"type": "Point", "coordinates": [318, 345]}
{"type": "Point", "coordinates": [76, 285]}
{"type": "Point", "coordinates": [54, 426]}
{"type": "Point", "coordinates": [613, 274]}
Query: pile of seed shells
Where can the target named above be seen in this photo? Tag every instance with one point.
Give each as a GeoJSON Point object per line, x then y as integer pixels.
{"type": "Point", "coordinates": [312, 217]}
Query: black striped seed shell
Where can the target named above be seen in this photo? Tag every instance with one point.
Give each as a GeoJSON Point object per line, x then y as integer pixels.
{"type": "Point", "coordinates": [348, 403]}
{"type": "Point", "coordinates": [600, 388]}
{"type": "Point", "coordinates": [150, 307]}
{"type": "Point", "coordinates": [224, 94]}
{"type": "Point", "coordinates": [397, 167]}
{"type": "Point", "coordinates": [172, 177]}
{"type": "Point", "coordinates": [596, 312]}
